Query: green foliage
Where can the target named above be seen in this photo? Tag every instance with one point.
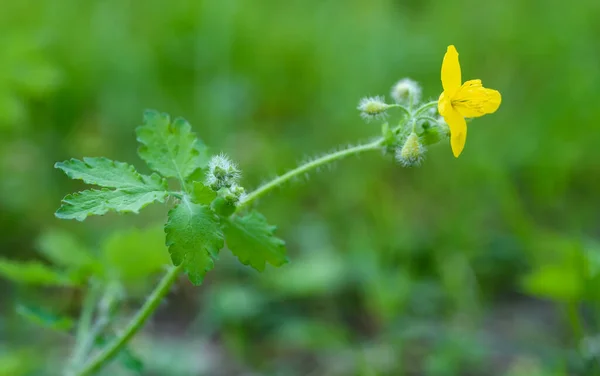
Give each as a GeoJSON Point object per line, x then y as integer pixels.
{"type": "Point", "coordinates": [112, 174]}
{"type": "Point", "coordinates": [63, 249]}
{"type": "Point", "coordinates": [82, 204]}
{"type": "Point", "coordinates": [268, 90]}
{"type": "Point", "coordinates": [564, 273]}
{"type": "Point", "coordinates": [29, 72]}
{"type": "Point", "coordinates": [251, 239]}
{"type": "Point", "coordinates": [34, 273]}
{"type": "Point", "coordinates": [170, 147]}
{"type": "Point", "coordinates": [45, 318]}
{"type": "Point", "coordinates": [194, 238]}
{"type": "Point", "coordinates": [132, 192]}
{"type": "Point", "coordinates": [194, 233]}
{"type": "Point", "coordinates": [130, 256]}
{"type": "Point", "coordinates": [201, 194]}
{"type": "Point", "coordinates": [18, 362]}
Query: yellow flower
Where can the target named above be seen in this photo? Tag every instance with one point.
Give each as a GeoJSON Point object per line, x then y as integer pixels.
{"type": "Point", "coordinates": [460, 101]}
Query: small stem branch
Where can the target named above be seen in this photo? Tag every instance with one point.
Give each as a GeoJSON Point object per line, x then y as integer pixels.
{"type": "Point", "coordinates": [429, 118]}
{"type": "Point", "coordinates": [424, 108]}
{"type": "Point", "coordinates": [262, 190]}
{"type": "Point", "coordinates": [153, 301]}
{"type": "Point", "coordinates": [404, 109]}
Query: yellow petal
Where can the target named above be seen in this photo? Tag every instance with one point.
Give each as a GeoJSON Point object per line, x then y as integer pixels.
{"type": "Point", "coordinates": [473, 100]}
{"type": "Point", "coordinates": [444, 104]}
{"type": "Point", "coordinates": [451, 78]}
{"type": "Point", "coordinates": [458, 130]}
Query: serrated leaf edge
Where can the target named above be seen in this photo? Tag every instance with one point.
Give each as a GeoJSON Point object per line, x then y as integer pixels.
{"type": "Point", "coordinates": [271, 232]}
{"type": "Point", "coordinates": [143, 179]}
{"type": "Point", "coordinates": [65, 203]}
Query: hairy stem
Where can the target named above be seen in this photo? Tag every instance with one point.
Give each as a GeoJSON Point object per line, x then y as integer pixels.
{"type": "Point", "coordinates": [153, 301]}
{"type": "Point", "coordinates": [424, 108]}
{"type": "Point", "coordinates": [316, 163]}
{"type": "Point", "coordinates": [404, 109]}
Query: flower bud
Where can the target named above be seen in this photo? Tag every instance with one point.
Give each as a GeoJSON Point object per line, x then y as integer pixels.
{"type": "Point", "coordinates": [406, 91]}
{"type": "Point", "coordinates": [232, 194]}
{"type": "Point", "coordinates": [372, 108]}
{"type": "Point", "coordinates": [412, 152]}
{"type": "Point", "coordinates": [434, 132]}
{"type": "Point", "coordinates": [222, 172]}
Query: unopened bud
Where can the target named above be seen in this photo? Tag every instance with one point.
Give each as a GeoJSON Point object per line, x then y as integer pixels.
{"type": "Point", "coordinates": [372, 108]}
{"type": "Point", "coordinates": [434, 132]}
{"type": "Point", "coordinates": [232, 194]}
{"type": "Point", "coordinates": [412, 152]}
{"type": "Point", "coordinates": [222, 172]}
{"type": "Point", "coordinates": [405, 91]}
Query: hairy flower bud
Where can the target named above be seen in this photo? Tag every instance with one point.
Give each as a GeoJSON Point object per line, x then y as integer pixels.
{"type": "Point", "coordinates": [412, 152]}
{"type": "Point", "coordinates": [222, 172]}
{"type": "Point", "coordinates": [372, 108]}
{"type": "Point", "coordinates": [405, 91]}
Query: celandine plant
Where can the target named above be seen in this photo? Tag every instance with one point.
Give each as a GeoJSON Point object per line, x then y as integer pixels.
{"type": "Point", "coordinates": [212, 208]}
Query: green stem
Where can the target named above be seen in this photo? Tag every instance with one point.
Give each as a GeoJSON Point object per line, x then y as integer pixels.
{"type": "Point", "coordinates": [575, 322]}
{"type": "Point", "coordinates": [424, 108]}
{"type": "Point", "coordinates": [404, 109]}
{"type": "Point", "coordinates": [429, 118]}
{"type": "Point", "coordinates": [134, 325]}
{"type": "Point", "coordinates": [316, 163]}
{"type": "Point", "coordinates": [85, 323]}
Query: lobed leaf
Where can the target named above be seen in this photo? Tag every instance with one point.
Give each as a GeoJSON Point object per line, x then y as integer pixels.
{"type": "Point", "coordinates": [111, 174]}
{"type": "Point", "coordinates": [170, 148]}
{"type": "Point", "coordinates": [194, 238]}
{"type": "Point", "coordinates": [251, 239]}
{"type": "Point", "coordinates": [98, 202]}
{"type": "Point", "coordinates": [201, 194]}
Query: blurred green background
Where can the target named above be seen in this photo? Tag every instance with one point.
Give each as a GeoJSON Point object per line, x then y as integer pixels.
{"type": "Point", "coordinates": [483, 265]}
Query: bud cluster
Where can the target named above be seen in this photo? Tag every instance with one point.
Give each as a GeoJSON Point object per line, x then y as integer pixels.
{"type": "Point", "coordinates": [222, 173]}
{"type": "Point", "coordinates": [222, 177]}
{"type": "Point", "coordinates": [417, 129]}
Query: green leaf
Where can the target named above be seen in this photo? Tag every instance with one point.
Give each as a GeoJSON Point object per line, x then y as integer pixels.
{"type": "Point", "coordinates": [108, 173]}
{"type": "Point", "coordinates": [251, 239]}
{"type": "Point", "coordinates": [44, 318]}
{"type": "Point", "coordinates": [171, 148]}
{"type": "Point", "coordinates": [194, 238]}
{"type": "Point", "coordinates": [34, 273]}
{"type": "Point", "coordinates": [21, 362]}
{"type": "Point", "coordinates": [98, 202]}
{"type": "Point", "coordinates": [557, 282]}
{"type": "Point", "coordinates": [133, 255]}
{"type": "Point", "coordinates": [201, 194]}
{"type": "Point", "coordinates": [64, 249]}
